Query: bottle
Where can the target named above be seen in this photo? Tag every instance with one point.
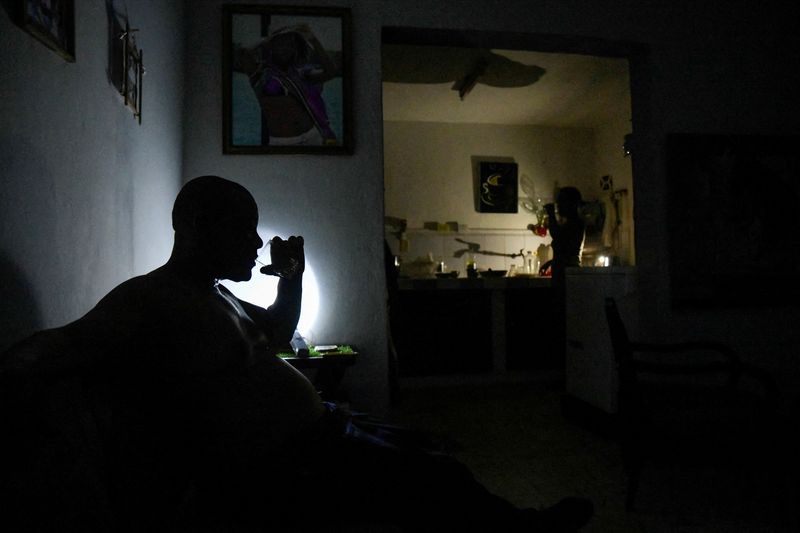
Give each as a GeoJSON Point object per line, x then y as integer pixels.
{"type": "Point", "coordinates": [529, 263]}
{"type": "Point", "coordinates": [472, 267]}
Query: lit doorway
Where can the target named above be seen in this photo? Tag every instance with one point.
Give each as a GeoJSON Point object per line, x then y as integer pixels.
{"type": "Point", "coordinates": [559, 110]}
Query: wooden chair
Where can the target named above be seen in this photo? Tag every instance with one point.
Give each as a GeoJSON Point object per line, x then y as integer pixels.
{"type": "Point", "coordinates": [690, 403]}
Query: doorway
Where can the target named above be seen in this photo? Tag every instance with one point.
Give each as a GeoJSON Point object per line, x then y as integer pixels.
{"type": "Point", "coordinates": [559, 109]}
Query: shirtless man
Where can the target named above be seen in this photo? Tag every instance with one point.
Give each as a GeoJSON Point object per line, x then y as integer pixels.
{"type": "Point", "coordinates": [202, 404]}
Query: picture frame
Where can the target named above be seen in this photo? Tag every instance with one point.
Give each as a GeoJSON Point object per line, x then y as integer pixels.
{"type": "Point", "coordinates": [286, 80]}
{"type": "Point", "coordinates": [52, 22]}
{"type": "Point", "coordinates": [126, 64]}
{"type": "Point", "coordinates": [732, 220]}
{"type": "Point", "coordinates": [497, 190]}
{"type": "Point", "coordinates": [132, 73]}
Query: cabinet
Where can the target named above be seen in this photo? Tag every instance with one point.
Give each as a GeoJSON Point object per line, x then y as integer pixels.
{"type": "Point", "coordinates": [472, 326]}
{"type": "Point", "coordinates": [590, 371]}
{"type": "Point", "coordinates": [443, 332]}
{"type": "Point", "coordinates": [530, 340]}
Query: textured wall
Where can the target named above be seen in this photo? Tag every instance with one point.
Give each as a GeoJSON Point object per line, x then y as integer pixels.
{"type": "Point", "coordinates": [86, 191]}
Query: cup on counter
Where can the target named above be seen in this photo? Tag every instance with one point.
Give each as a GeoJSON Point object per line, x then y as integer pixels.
{"type": "Point", "coordinates": [512, 271]}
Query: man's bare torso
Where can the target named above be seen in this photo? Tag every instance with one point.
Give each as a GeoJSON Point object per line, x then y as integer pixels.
{"type": "Point", "coordinates": [204, 337]}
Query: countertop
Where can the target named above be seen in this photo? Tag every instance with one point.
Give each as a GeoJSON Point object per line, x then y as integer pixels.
{"type": "Point", "coordinates": [502, 283]}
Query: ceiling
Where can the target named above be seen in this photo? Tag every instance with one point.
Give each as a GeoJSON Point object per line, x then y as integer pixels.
{"type": "Point", "coordinates": [566, 90]}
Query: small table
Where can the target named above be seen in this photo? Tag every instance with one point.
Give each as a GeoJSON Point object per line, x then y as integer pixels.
{"type": "Point", "coordinates": [329, 368]}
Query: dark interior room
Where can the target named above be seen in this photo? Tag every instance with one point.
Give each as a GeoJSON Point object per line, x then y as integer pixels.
{"type": "Point", "coordinates": [425, 152]}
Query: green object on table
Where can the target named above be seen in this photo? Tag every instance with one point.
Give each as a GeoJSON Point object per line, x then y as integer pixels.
{"type": "Point", "coordinates": [312, 352]}
{"type": "Point", "coordinates": [328, 367]}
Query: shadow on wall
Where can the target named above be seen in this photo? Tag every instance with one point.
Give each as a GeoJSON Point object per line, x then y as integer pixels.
{"type": "Point", "coordinates": [19, 312]}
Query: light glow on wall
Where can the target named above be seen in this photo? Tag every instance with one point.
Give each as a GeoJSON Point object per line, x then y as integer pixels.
{"type": "Point", "coordinates": [261, 290]}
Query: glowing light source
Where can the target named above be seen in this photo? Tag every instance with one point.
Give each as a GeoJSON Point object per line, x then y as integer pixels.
{"type": "Point", "coordinates": [261, 290]}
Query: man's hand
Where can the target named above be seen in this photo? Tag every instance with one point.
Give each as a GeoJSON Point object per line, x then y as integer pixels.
{"type": "Point", "coordinates": [287, 256]}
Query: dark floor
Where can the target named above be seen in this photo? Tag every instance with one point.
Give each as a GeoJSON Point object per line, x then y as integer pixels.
{"type": "Point", "coordinates": [517, 442]}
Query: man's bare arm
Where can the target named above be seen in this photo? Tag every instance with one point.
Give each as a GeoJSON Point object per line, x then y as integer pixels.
{"type": "Point", "coordinates": [279, 320]}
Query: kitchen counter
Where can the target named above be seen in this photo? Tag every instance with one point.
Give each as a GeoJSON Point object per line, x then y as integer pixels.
{"type": "Point", "coordinates": [517, 282]}
{"type": "Point", "coordinates": [490, 326]}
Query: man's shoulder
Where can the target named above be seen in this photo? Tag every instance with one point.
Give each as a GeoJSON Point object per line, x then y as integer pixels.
{"type": "Point", "coordinates": [142, 291]}
{"type": "Point", "coordinates": [142, 285]}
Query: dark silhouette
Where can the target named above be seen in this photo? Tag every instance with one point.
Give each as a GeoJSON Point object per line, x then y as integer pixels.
{"type": "Point", "coordinates": [211, 430]}
{"type": "Point", "coordinates": [568, 231]}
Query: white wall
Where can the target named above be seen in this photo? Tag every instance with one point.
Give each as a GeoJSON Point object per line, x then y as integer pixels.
{"type": "Point", "coordinates": [86, 191]}
{"type": "Point", "coordinates": [335, 202]}
{"type": "Point", "coordinates": [611, 161]}
{"type": "Point", "coordinates": [428, 170]}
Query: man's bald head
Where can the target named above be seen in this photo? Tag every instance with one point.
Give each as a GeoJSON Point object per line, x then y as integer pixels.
{"type": "Point", "coordinates": [208, 197]}
{"type": "Point", "coordinates": [216, 227]}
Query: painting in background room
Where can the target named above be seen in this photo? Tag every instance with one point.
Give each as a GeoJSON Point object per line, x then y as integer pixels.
{"type": "Point", "coordinates": [286, 80]}
{"type": "Point", "coordinates": [733, 219]}
{"type": "Point", "coordinates": [497, 187]}
{"type": "Point", "coordinates": [52, 22]}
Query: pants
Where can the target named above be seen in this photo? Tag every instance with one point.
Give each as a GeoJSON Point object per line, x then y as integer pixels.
{"type": "Point", "coordinates": [345, 476]}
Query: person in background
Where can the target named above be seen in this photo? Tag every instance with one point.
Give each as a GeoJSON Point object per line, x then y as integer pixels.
{"type": "Point", "coordinates": [567, 230]}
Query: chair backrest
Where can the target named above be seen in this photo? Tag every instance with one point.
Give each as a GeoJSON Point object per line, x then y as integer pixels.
{"type": "Point", "coordinates": [623, 356]}
{"type": "Point", "coordinates": [620, 342]}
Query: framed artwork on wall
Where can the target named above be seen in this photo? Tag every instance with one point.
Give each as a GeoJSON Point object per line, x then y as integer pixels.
{"type": "Point", "coordinates": [133, 70]}
{"type": "Point", "coordinates": [52, 22]}
{"type": "Point", "coordinates": [286, 80]}
{"type": "Point", "coordinates": [732, 219]}
{"type": "Point", "coordinates": [497, 187]}
{"type": "Point", "coordinates": [126, 65]}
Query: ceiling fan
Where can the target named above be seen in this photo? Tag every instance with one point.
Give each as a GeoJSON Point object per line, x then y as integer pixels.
{"type": "Point", "coordinates": [464, 67]}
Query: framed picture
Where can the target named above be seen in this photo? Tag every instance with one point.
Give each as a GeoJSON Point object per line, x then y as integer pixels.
{"type": "Point", "coordinates": [132, 72]}
{"type": "Point", "coordinates": [733, 219]}
{"type": "Point", "coordinates": [126, 67]}
{"type": "Point", "coordinates": [497, 187]}
{"type": "Point", "coordinates": [286, 80]}
{"type": "Point", "coordinates": [52, 22]}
